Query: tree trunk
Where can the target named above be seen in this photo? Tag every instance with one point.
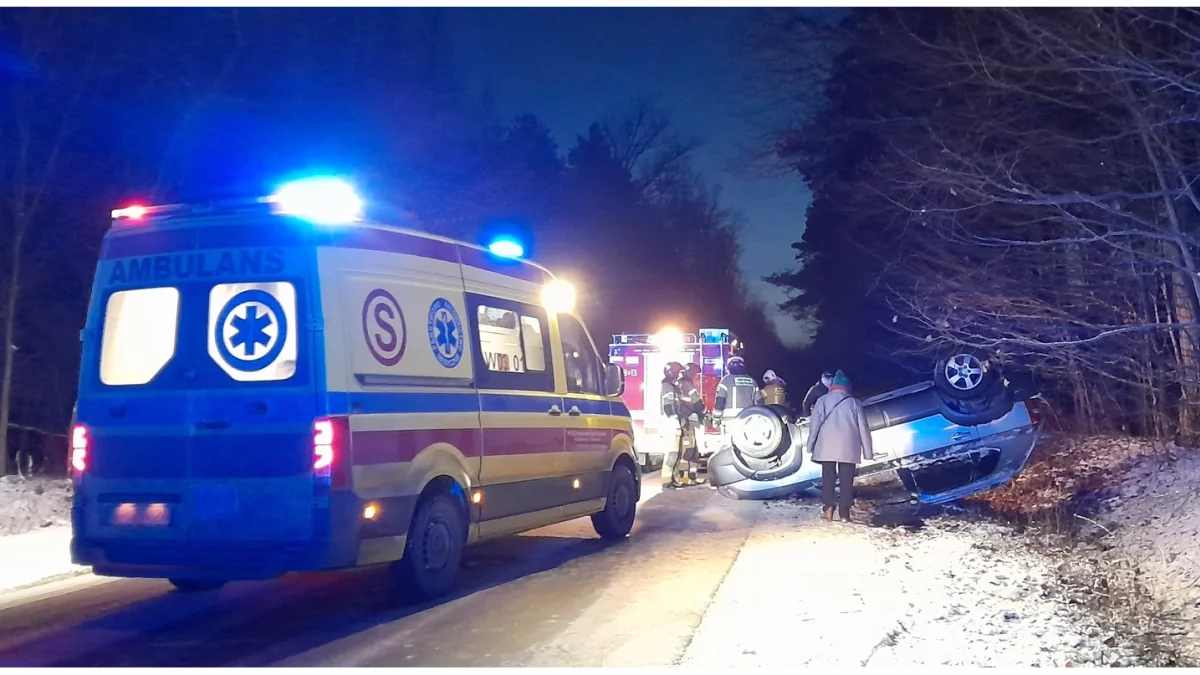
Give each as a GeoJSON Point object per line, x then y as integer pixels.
{"type": "Point", "coordinates": [10, 323]}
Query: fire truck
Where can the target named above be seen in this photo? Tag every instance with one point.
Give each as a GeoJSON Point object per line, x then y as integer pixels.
{"type": "Point", "coordinates": [643, 357]}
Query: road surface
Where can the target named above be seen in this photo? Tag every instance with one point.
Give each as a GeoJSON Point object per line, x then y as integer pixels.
{"type": "Point", "coordinates": [553, 597]}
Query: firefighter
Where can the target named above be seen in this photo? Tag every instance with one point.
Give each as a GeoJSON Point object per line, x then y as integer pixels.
{"type": "Point", "coordinates": [736, 391]}
{"type": "Point", "coordinates": [679, 465]}
{"type": "Point", "coordinates": [773, 391]}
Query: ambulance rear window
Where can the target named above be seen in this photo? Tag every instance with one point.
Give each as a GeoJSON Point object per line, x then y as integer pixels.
{"type": "Point", "coordinates": [139, 335]}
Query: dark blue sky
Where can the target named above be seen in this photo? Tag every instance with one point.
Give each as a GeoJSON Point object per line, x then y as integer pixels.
{"type": "Point", "coordinates": [572, 66]}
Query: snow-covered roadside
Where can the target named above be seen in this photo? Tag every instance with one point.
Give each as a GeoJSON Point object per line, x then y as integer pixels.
{"type": "Point", "coordinates": [34, 503]}
{"type": "Point", "coordinates": [1121, 515]}
{"type": "Point", "coordinates": [35, 532]}
{"type": "Point", "coordinates": [955, 592]}
{"type": "Point", "coordinates": [1142, 537]}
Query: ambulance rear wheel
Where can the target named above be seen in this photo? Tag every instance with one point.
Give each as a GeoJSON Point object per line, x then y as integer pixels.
{"type": "Point", "coordinates": [620, 509]}
{"type": "Point", "coordinates": [195, 585]}
{"type": "Point", "coordinates": [433, 552]}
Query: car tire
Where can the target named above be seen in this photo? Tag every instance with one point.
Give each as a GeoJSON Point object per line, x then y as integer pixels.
{"type": "Point", "coordinates": [620, 508]}
{"type": "Point", "coordinates": [760, 433]}
{"type": "Point", "coordinates": [973, 412]}
{"type": "Point", "coordinates": [966, 375]}
{"type": "Point", "coordinates": [195, 585]}
{"type": "Point", "coordinates": [433, 552]}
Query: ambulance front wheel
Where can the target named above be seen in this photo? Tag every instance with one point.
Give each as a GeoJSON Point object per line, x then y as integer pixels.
{"type": "Point", "coordinates": [616, 520]}
{"type": "Point", "coordinates": [433, 552]}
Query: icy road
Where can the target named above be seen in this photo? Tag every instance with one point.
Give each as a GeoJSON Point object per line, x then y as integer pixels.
{"type": "Point", "coordinates": [702, 581]}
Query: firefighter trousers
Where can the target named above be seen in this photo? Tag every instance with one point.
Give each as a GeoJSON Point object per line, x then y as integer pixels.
{"type": "Point", "coordinates": [685, 473]}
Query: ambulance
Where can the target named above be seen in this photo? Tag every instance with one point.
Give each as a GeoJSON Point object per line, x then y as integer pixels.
{"type": "Point", "coordinates": [643, 357]}
{"type": "Point", "coordinates": [282, 384]}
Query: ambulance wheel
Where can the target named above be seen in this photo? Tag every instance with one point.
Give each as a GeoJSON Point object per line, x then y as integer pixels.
{"type": "Point", "coordinates": [195, 585]}
{"type": "Point", "coordinates": [433, 552]}
{"type": "Point", "coordinates": [620, 509]}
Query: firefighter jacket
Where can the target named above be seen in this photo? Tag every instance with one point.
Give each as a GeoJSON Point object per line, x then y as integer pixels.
{"type": "Point", "coordinates": [735, 392]}
{"type": "Point", "coordinates": [773, 394]}
{"type": "Point", "coordinates": [670, 398]}
{"type": "Point", "coordinates": [690, 401]}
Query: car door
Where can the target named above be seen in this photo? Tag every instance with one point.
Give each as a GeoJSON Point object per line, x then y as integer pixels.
{"type": "Point", "coordinates": [521, 415]}
{"type": "Point", "coordinates": [588, 432]}
{"type": "Point", "coordinates": [907, 427]}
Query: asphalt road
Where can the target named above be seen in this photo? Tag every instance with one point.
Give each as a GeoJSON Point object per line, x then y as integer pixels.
{"type": "Point", "coordinates": [553, 597]}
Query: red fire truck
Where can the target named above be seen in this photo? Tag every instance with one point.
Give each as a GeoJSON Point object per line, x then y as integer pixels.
{"type": "Point", "coordinates": [643, 356]}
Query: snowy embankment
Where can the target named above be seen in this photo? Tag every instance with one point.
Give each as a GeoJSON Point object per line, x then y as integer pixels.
{"type": "Point", "coordinates": [1122, 516]}
{"type": "Point", "coordinates": [952, 592]}
{"type": "Point", "coordinates": [35, 532]}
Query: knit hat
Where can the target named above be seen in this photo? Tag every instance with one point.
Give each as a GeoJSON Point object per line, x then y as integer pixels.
{"type": "Point", "coordinates": [840, 380]}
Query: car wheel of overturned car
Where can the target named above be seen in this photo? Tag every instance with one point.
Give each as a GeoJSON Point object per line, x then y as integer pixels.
{"type": "Point", "coordinates": [433, 552]}
{"type": "Point", "coordinates": [620, 509]}
{"type": "Point", "coordinates": [966, 375]}
{"type": "Point", "coordinates": [760, 433]}
{"type": "Point", "coordinates": [195, 585]}
{"type": "Point", "coordinates": [970, 412]}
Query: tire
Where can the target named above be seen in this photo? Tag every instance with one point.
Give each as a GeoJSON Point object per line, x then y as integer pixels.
{"type": "Point", "coordinates": [433, 552]}
{"type": "Point", "coordinates": [966, 375]}
{"type": "Point", "coordinates": [620, 509]}
{"type": "Point", "coordinates": [760, 433]}
{"type": "Point", "coordinates": [195, 585]}
{"type": "Point", "coordinates": [972, 412]}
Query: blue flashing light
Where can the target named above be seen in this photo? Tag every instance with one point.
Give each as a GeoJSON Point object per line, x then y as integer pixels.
{"type": "Point", "coordinates": [506, 248]}
{"type": "Point", "coordinates": [319, 200]}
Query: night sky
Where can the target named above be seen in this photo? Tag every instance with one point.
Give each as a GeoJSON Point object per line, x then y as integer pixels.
{"type": "Point", "coordinates": [572, 66]}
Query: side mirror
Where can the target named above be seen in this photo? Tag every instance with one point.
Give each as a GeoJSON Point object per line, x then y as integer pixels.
{"type": "Point", "coordinates": [614, 379]}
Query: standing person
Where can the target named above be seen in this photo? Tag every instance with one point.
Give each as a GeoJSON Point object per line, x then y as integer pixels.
{"type": "Point", "coordinates": [817, 391]}
{"type": "Point", "coordinates": [839, 439]}
{"type": "Point", "coordinates": [774, 391]}
{"type": "Point", "coordinates": [735, 392]}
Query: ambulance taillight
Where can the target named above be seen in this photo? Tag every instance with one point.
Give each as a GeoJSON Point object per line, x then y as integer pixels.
{"type": "Point", "coordinates": [331, 442]}
{"type": "Point", "coordinates": [79, 449]}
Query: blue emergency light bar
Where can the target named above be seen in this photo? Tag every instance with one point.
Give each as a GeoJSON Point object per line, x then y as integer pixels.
{"type": "Point", "coordinates": [318, 200]}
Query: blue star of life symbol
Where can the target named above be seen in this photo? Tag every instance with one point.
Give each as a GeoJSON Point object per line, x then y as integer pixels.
{"type": "Point", "coordinates": [445, 333]}
{"type": "Point", "coordinates": [250, 330]}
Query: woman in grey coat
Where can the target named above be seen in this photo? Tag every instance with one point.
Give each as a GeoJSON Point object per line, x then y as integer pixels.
{"type": "Point", "coordinates": [839, 439]}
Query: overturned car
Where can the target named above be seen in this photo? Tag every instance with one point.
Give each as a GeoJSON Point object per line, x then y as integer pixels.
{"type": "Point", "coordinates": [967, 431]}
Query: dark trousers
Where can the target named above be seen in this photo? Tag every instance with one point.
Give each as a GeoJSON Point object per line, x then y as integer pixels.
{"type": "Point", "coordinates": [843, 474]}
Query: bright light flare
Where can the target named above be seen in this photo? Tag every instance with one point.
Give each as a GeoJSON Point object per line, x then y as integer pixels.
{"type": "Point", "coordinates": [134, 212]}
{"type": "Point", "coordinates": [559, 296]}
{"type": "Point", "coordinates": [669, 338]}
{"type": "Point", "coordinates": [319, 200]}
{"type": "Point", "coordinates": [507, 248]}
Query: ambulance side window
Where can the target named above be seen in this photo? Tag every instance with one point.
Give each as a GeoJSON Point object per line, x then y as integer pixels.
{"type": "Point", "coordinates": [582, 363]}
{"type": "Point", "coordinates": [511, 346]}
{"type": "Point", "coordinates": [139, 335]}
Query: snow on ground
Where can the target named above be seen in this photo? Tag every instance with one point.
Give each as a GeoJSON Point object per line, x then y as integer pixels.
{"type": "Point", "coordinates": [35, 532]}
{"type": "Point", "coordinates": [1121, 514]}
{"type": "Point", "coordinates": [33, 503]}
{"type": "Point", "coordinates": [804, 592]}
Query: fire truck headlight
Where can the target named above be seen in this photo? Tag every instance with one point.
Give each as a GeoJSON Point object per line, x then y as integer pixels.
{"type": "Point", "coordinates": [558, 296]}
{"type": "Point", "coordinates": [668, 338]}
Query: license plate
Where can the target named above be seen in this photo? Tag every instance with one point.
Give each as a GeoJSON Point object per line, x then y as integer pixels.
{"type": "Point", "coordinates": [214, 502]}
